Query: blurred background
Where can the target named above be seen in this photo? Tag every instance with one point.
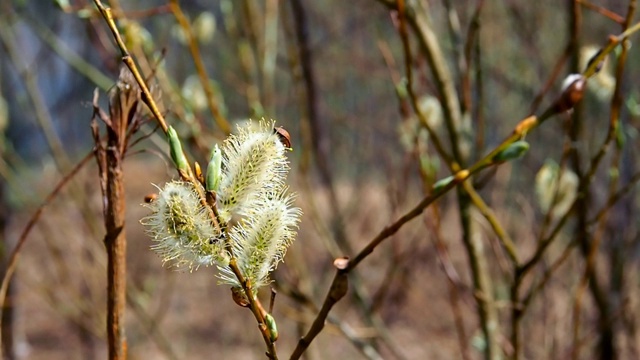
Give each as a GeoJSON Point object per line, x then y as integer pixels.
{"type": "Point", "coordinates": [334, 75]}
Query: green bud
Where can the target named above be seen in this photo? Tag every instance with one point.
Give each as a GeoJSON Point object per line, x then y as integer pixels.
{"type": "Point", "coordinates": [271, 325]}
{"type": "Point", "coordinates": [214, 170]}
{"type": "Point", "coordinates": [84, 13]}
{"type": "Point", "coordinates": [63, 4]}
{"type": "Point", "coordinates": [401, 89]}
{"type": "Point", "coordinates": [176, 150]}
{"type": "Point", "coordinates": [442, 183]}
{"type": "Point", "coordinates": [513, 151]}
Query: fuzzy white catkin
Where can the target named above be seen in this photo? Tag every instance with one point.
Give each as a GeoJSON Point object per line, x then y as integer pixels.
{"type": "Point", "coordinates": [260, 240]}
{"type": "Point", "coordinates": [253, 192]}
{"type": "Point", "coordinates": [182, 230]}
{"type": "Point", "coordinates": [258, 218]}
{"type": "Point", "coordinates": [254, 162]}
{"type": "Point", "coordinates": [556, 189]}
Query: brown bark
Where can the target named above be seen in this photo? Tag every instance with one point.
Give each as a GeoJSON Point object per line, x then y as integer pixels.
{"type": "Point", "coordinates": [122, 121]}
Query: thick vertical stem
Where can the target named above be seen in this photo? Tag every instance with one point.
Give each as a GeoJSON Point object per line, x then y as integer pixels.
{"type": "Point", "coordinates": [115, 242]}
{"type": "Point", "coordinates": [123, 107]}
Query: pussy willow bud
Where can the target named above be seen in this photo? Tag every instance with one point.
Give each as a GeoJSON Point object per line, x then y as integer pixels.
{"type": "Point", "coordinates": [513, 151]}
{"type": "Point", "coordinates": [270, 322]}
{"type": "Point", "coordinates": [556, 188]}
{"type": "Point", "coordinates": [255, 162]}
{"type": "Point", "coordinates": [182, 230]}
{"type": "Point", "coordinates": [440, 184]}
{"type": "Point", "coordinates": [175, 148]}
{"type": "Point", "coordinates": [261, 239]}
{"type": "Point", "coordinates": [573, 88]}
{"type": "Point", "coordinates": [214, 170]}
{"type": "Point", "coordinates": [239, 296]}
{"type": "Point", "coordinates": [284, 136]}
{"type": "Point", "coordinates": [247, 175]}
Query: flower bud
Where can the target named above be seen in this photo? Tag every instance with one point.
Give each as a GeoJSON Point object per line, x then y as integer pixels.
{"type": "Point", "coordinates": [244, 180]}
{"type": "Point", "coordinates": [239, 296]}
{"type": "Point", "coordinates": [204, 27]}
{"type": "Point", "coordinates": [573, 88]}
{"type": "Point", "coordinates": [182, 230]}
{"type": "Point", "coordinates": [175, 148]}
{"type": "Point", "coordinates": [440, 184]}
{"type": "Point", "coordinates": [271, 326]}
{"type": "Point", "coordinates": [214, 170]}
{"type": "Point", "coordinates": [556, 188]}
{"type": "Point", "coordinates": [63, 4]}
{"type": "Point", "coordinates": [284, 136]}
{"type": "Point", "coordinates": [513, 151]}
{"type": "Point", "coordinates": [254, 162]}
{"type": "Point", "coordinates": [260, 239]}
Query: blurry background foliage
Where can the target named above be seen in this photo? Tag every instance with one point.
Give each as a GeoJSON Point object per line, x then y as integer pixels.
{"type": "Point", "coordinates": [53, 54]}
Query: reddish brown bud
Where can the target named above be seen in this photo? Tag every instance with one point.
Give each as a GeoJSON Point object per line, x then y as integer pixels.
{"type": "Point", "coordinates": [150, 198]}
{"type": "Point", "coordinates": [239, 297]}
{"type": "Point", "coordinates": [341, 263]}
{"type": "Point", "coordinates": [572, 92]}
{"type": "Point", "coordinates": [284, 136]}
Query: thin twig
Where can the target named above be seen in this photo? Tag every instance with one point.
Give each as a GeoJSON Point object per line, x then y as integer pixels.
{"type": "Point", "coordinates": [505, 240]}
{"type": "Point", "coordinates": [602, 11]}
{"type": "Point", "coordinates": [222, 122]}
{"type": "Point", "coordinates": [523, 127]}
{"type": "Point", "coordinates": [13, 259]}
{"type": "Point", "coordinates": [128, 61]}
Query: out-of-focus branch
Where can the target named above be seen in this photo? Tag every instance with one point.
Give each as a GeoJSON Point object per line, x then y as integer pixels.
{"type": "Point", "coordinates": [147, 98]}
{"type": "Point", "coordinates": [438, 65]}
{"type": "Point", "coordinates": [194, 49]}
{"type": "Point", "coordinates": [270, 53]}
{"type": "Point", "coordinates": [245, 43]}
{"type": "Point", "coordinates": [505, 240]}
{"type": "Point", "coordinates": [478, 263]}
{"type": "Point", "coordinates": [471, 41]}
{"type": "Point", "coordinates": [603, 11]}
{"type": "Point", "coordinates": [13, 259]}
{"type": "Point", "coordinates": [42, 115]}
{"type": "Point", "coordinates": [589, 247]}
{"type": "Point", "coordinates": [523, 127]}
{"type": "Point", "coordinates": [74, 60]}
{"type": "Point", "coordinates": [319, 140]}
{"type": "Point", "coordinates": [319, 143]}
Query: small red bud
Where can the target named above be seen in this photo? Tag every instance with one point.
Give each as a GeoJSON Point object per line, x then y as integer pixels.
{"type": "Point", "coordinates": [572, 92]}
{"type": "Point", "coordinates": [284, 136]}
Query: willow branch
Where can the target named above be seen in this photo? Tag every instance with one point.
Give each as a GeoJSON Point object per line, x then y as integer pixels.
{"type": "Point", "coordinates": [147, 98]}
{"type": "Point", "coordinates": [200, 68]}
